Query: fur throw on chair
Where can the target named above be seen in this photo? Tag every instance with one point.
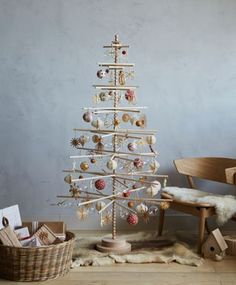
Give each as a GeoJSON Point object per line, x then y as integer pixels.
{"type": "Point", "coordinates": [225, 205]}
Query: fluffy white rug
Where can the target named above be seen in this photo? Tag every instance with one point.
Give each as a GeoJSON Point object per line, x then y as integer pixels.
{"type": "Point", "coordinates": [225, 204]}
{"type": "Point", "coordinates": [146, 248]}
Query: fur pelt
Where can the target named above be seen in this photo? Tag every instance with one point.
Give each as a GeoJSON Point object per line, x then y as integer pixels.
{"type": "Point", "coordinates": [225, 205]}
{"type": "Point", "coordinates": [146, 248]}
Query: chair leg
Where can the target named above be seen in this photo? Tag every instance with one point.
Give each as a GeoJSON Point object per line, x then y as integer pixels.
{"type": "Point", "coordinates": [202, 220]}
{"type": "Point", "coordinates": [161, 221]}
{"type": "Point", "coordinates": [207, 227]}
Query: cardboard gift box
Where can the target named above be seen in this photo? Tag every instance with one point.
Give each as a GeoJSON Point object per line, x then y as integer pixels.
{"type": "Point", "coordinates": [57, 227]}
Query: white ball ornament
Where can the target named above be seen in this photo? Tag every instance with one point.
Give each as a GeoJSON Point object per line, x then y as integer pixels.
{"type": "Point", "coordinates": [141, 208]}
{"type": "Point", "coordinates": [151, 139]}
{"type": "Point", "coordinates": [98, 123]}
{"type": "Point", "coordinates": [112, 164]}
{"type": "Point", "coordinates": [154, 166]}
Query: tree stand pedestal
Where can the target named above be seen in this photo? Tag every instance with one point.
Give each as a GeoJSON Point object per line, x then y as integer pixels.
{"type": "Point", "coordinates": [118, 246]}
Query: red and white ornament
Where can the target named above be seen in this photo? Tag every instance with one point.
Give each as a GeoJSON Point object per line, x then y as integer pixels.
{"type": "Point", "coordinates": [126, 193]}
{"type": "Point", "coordinates": [132, 146]}
{"type": "Point", "coordinates": [132, 219]}
{"type": "Point", "coordinates": [100, 184]}
{"type": "Point", "coordinates": [130, 95]}
{"type": "Point", "coordinates": [138, 163]}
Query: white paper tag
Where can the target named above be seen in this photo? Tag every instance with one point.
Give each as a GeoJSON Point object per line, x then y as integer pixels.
{"type": "Point", "coordinates": [12, 214]}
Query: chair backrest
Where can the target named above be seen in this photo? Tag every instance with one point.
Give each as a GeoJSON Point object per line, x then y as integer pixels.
{"type": "Point", "coordinates": [210, 168]}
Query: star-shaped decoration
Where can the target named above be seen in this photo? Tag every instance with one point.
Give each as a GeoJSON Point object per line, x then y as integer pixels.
{"type": "Point", "coordinates": [82, 213]}
{"type": "Point", "coordinates": [106, 219]}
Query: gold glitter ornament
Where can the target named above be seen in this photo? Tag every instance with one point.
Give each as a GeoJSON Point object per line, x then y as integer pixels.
{"type": "Point", "coordinates": [84, 165]}
{"type": "Point", "coordinates": [164, 205]}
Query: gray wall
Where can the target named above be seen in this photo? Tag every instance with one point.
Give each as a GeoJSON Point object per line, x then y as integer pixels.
{"type": "Point", "coordinates": [185, 55]}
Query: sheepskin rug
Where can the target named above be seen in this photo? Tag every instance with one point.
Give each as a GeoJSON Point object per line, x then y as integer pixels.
{"type": "Point", "coordinates": [146, 248]}
{"type": "Point", "coordinates": [225, 205]}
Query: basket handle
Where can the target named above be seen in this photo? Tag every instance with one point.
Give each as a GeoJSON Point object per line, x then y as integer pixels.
{"type": "Point", "coordinates": [5, 222]}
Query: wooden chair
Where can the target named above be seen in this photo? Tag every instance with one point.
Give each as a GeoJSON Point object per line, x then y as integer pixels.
{"type": "Point", "coordinates": [209, 168]}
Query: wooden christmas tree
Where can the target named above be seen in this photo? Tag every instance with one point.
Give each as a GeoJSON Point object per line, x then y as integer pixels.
{"type": "Point", "coordinates": [117, 166]}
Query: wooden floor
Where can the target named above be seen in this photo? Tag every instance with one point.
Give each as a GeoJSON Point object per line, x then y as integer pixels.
{"type": "Point", "coordinates": [210, 273]}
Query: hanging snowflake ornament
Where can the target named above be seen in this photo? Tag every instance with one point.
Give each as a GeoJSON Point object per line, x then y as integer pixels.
{"type": "Point", "coordinates": [106, 219]}
{"type": "Point", "coordinates": [154, 188]}
{"type": "Point", "coordinates": [82, 213]}
{"type": "Point", "coordinates": [74, 142]}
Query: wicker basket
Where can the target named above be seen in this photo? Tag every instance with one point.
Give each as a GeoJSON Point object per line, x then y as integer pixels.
{"type": "Point", "coordinates": [36, 263]}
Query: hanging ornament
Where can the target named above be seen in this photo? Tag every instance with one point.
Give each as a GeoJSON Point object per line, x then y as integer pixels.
{"type": "Point", "coordinates": [103, 96]}
{"type": "Point", "coordinates": [126, 193]}
{"type": "Point", "coordinates": [153, 211]}
{"type": "Point", "coordinates": [124, 52]}
{"type": "Point", "coordinates": [132, 219]}
{"type": "Point", "coordinates": [116, 123]}
{"type": "Point", "coordinates": [154, 188]}
{"type": "Point", "coordinates": [98, 123]}
{"type": "Point", "coordinates": [101, 73]}
{"type": "Point", "coordinates": [106, 219]}
{"type": "Point", "coordinates": [96, 138]}
{"type": "Point", "coordinates": [141, 208]}
{"type": "Point", "coordinates": [84, 165]}
{"type": "Point", "coordinates": [107, 70]}
{"type": "Point", "coordinates": [74, 191]}
{"type": "Point", "coordinates": [132, 146]}
{"type": "Point", "coordinates": [121, 78]}
{"type": "Point", "coordinates": [100, 184]}
{"type": "Point", "coordinates": [164, 205]}
{"type": "Point", "coordinates": [111, 164]}
{"type": "Point", "coordinates": [125, 117]}
{"type": "Point", "coordinates": [68, 179]}
{"type": "Point", "coordinates": [93, 160]}
{"type": "Point", "coordinates": [130, 204]}
{"type": "Point", "coordinates": [138, 163]}
{"type": "Point", "coordinates": [130, 96]}
{"type": "Point", "coordinates": [100, 205]}
{"type": "Point", "coordinates": [151, 139]}
{"type": "Point", "coordinates": [154, 166]}
{"type": "Point", "coordinates": [87, 117]}
{"type": "Point", "coordinates": [100, 147]}
{"type": "Point", "coordinates": [82, 213]}
{"type": "Point", "coordinates": [141, 122]}
{"type": "Point", "coordinates": [83, 140]}
{"type": "Point", "coordinates": [74, 142]}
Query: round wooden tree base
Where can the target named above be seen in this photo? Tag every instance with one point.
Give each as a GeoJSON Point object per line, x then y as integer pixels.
{"type": "Point", "coordinates": [119, 246]}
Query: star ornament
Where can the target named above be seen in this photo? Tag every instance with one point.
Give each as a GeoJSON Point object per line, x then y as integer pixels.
{"type": "Point", "coordinates": [106, 219]}
{"type": "Point", "coordinates": [82, 213]}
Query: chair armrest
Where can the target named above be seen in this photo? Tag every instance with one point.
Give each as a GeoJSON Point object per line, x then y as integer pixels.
{"type": "Point", "coordinates": [231, 175]}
